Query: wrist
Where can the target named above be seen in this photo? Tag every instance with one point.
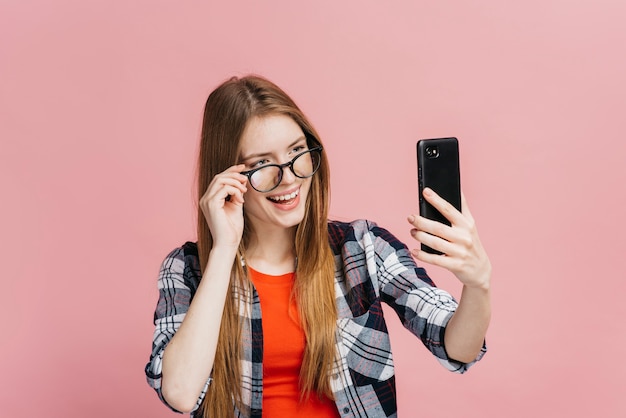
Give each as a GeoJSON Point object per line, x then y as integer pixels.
{"type": "Point", "coordinates": [480, 286]}
{"type": "Point", "coordinates": [224, 251]}
{"type": "Point", "coordinates": [482, 281]}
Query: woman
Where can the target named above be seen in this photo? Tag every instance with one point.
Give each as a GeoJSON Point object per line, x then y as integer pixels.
{"type": "Point", "coordinates": [277, 310]}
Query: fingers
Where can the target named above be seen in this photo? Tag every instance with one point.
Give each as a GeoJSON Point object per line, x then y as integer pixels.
{"type": "Point", "coordinates": [465, 208]}
{"type": "Point", "coordinates": [463, 253]}
{"type": "Point", "coordinates": [229, 189]}
{"type": "Point", "coordinates": [444, 207]}
{"type": "Point", "coordinates": [451, 240]}
{"type": "Point", "coordinates": [434, 259]}
{"type": "Point", "coordinates": [435, 229]}
{"type": "Point", "coordinates": [434, 242]}
{"type": "Point", "coordinates": [228, 186]}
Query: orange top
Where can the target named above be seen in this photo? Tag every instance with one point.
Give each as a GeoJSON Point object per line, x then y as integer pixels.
{"type": "Point", "coordinates": [283, 349]}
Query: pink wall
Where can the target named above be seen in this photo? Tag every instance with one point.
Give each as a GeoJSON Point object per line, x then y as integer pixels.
{"type": "Point", "coordinates": [100, 106]}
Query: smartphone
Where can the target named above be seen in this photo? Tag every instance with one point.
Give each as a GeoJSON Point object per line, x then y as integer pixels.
{"type": "Point", "coordinates": [438, 168]}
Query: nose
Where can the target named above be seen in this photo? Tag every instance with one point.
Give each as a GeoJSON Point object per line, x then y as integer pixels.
{"type": "Point", "coordinates": [288, 176]}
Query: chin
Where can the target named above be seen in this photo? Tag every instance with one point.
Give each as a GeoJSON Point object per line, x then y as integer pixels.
{"type": "Point", "coordinates": [291, 221]}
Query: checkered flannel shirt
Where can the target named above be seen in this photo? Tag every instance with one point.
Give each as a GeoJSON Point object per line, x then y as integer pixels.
{"type": "Point", "coordinates": [372, 267]}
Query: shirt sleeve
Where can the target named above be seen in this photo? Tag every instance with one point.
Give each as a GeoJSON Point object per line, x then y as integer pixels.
{"type": "Point", "coordinates": [174, 298]}
{"type": "Point", "coordinates": [424, 309]}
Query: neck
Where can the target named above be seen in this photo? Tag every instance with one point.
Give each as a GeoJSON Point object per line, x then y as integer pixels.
{"type": "Point", "coordinates": [274, 254]}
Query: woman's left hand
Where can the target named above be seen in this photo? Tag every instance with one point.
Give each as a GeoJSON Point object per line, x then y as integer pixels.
{"type": "Point", "coordinates": [463, 254]}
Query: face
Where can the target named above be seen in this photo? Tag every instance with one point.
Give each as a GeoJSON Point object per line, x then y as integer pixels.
{"type": "Point", "coordinates": [274, 139]}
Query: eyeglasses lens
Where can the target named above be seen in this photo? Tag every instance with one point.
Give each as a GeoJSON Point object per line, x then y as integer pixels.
{"type": "Point", "coordinates": [303, 166]}
{"type": "Point", "coordinates": [265, 178]}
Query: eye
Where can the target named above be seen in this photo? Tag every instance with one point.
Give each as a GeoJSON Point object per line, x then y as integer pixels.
{"type": "Point", "coordinates": [298, 149]}
{"type": "Point", "coordinates": [259, 163]}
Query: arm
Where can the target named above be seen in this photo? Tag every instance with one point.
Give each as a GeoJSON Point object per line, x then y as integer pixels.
{"type": "Point", "coordinates": [424, 309]}
{"type": "Point", "coordinates": [465, 333]}
{"type": "Point", "coordinates": [465, 257]}
{"type": "Point", "coordinates": [188, 358]}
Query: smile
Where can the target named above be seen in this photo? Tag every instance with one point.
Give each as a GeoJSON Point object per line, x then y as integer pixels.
{"type": "Point", "coordinates": [284, 198]}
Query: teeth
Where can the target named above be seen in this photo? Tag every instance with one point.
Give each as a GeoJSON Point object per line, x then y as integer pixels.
{"type": "Point", "coordinates": [284, 197]}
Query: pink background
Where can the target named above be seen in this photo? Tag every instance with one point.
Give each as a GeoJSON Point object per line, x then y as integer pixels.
{"type": "Point", "coordinates": [100, 111]}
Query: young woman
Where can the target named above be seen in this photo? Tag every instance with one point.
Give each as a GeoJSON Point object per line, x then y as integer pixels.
{"type": "Point", "coordinates": [276, 310]}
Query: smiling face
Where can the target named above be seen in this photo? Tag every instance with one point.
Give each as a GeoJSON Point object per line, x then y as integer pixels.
{"type": "Point", "coordinates": [274, 139]}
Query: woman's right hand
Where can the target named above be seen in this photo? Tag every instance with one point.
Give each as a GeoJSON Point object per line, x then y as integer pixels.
{"type": "Point", "coordinates": [188, 357]}
{"type": "Point", "coordinates": [222, 206]}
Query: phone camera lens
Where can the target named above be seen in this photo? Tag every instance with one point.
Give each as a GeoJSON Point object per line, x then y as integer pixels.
{"type": "Point", "coordinates": [432, 152]}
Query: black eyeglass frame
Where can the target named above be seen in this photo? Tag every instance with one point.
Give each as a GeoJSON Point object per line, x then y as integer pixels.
{"type": "Point", "coordinates": [289, 164]}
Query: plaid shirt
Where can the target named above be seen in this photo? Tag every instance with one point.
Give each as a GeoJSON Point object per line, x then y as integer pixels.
{"type": "Point", "coordinates": [372, 267]}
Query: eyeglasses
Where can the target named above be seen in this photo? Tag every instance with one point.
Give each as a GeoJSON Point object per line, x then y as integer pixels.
{"type": "Point", "coordinates": [267, 178]}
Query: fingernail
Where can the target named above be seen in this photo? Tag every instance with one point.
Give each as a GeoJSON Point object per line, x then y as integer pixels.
{"type": "Point", "coordinates": [428, 192]}
{"type": "Point", "coordinates": [411, 218]}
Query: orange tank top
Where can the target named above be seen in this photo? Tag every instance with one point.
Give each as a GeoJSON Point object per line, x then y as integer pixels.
{"type": "Point", "coordinates": [283, 350]}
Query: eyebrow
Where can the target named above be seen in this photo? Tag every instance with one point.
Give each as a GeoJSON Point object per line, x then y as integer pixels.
{"type": "Point", "coordinates": [264, 154]}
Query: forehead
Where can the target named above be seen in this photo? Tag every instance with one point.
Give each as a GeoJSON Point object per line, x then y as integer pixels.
{"type": "Point", "coordinates": [269, 133]}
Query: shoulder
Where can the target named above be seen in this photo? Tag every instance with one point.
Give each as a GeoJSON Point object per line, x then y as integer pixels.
{"type": "Point", "coordinates": [190, 249]}
{"type": "Point", "coordinates": [184, 263]}
{"type": "Point", "coordinates": [358, 230]}
{"type": "Point", "coordinates": [339, 231]}
{"type": "Point", "coordinates": [188, 252]}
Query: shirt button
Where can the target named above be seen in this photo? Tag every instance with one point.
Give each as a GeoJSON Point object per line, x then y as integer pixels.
{"type": "Point", "coordinates": [336, 376]}
{"type": "Point", "coordinates": [346, 410]}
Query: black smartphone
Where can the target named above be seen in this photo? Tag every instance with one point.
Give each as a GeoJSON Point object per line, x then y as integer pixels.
{"type": "Point", "coordinates": [438, 168]}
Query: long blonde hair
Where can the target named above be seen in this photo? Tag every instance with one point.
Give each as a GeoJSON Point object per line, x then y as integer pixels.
{"type": "Point", "coordinates": [227, 110]}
